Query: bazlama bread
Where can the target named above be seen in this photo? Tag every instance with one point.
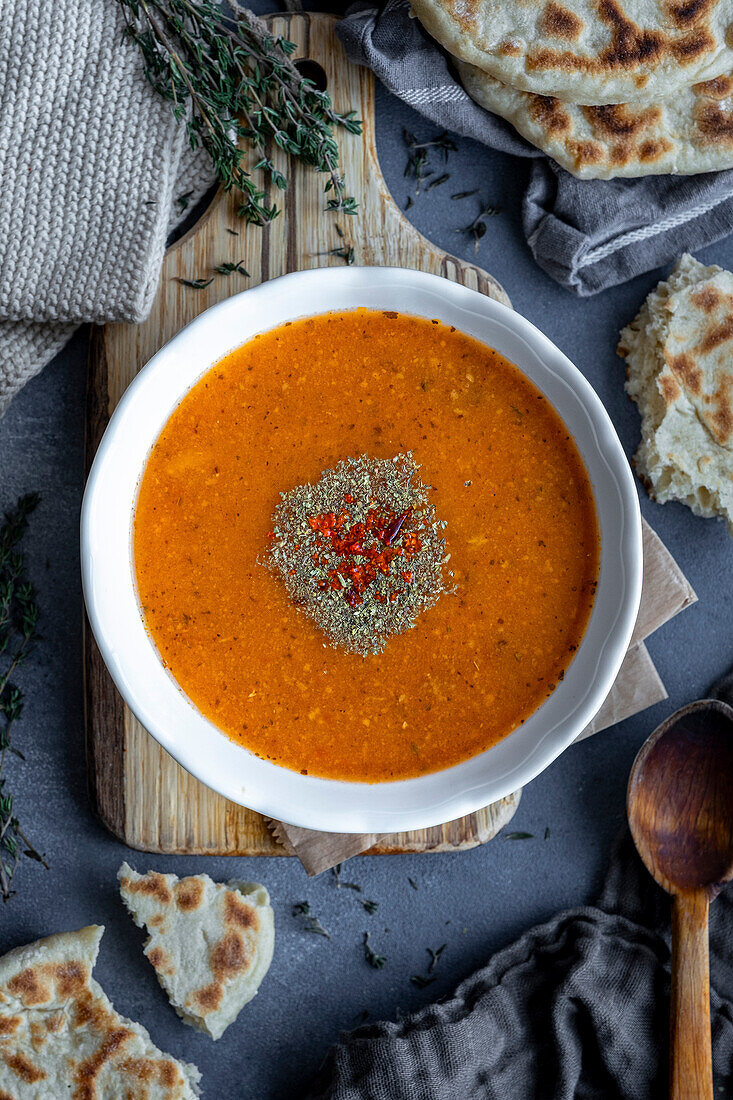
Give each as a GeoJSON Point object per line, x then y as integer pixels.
{"type": "Point", "coordinates": [679, 354]}
{"type": "Point", "coordinates": [211, 944]}
{"type": "Point", "coordinates": [61, 1038]}
{"type": "Point", "coordinates": [587, 51]}
{"type": "Point", "coordinates": [690, 132]}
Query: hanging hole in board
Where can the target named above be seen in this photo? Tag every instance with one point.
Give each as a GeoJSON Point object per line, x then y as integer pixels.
{"type": "Point", "coordinates": [312, 71]}
{"type": "Point", "coordinates": [189, 215]}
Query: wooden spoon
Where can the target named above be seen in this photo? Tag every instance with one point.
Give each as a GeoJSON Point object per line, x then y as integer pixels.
{"type": "Point", "coordinates": [680, 807]}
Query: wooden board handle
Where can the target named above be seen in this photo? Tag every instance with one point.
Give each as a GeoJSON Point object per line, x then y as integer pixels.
{"type": "Point", "coordinates": [690, 1065]}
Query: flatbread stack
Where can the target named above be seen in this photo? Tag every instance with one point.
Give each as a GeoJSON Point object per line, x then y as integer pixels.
{"type": "Point", "coordinates": [608, 88]}
{"type": "Point", "coordinates": [211, 944]}
{"type": "Point", "coordinates": [61, 1037]}
{"type": "Point", "coordinates": [679, 354]}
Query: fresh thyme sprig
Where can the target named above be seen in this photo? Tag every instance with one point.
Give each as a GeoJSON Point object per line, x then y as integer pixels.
{"type": "Point", "coordinates": [228, 78]}
{"type": "Point", "coordinates": [18, 618]}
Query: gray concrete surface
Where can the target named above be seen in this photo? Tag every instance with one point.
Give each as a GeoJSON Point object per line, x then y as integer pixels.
{"type": "Point", "coordinates": [474, 901]}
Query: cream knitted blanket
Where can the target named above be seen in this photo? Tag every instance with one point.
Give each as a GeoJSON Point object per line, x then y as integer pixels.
{"type": "Point", "coordinates": [91, 162]}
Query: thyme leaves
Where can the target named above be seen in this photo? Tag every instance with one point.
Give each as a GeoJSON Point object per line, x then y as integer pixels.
{"type": "Point", "coordinates": [421, 981]}
{"type": "Point", "coordinates": [378, 962]}
{"type": "Point", "coordinates": [229, 269]}
{"type": "Point", "coordinates": [424, 980]}
{"type": "Point", "coordinates": [230, 80]}
{"type": "Point", "coordinates": [311, 923]}
{"type": "Point", "coordinates": [196, 284]}
{"type": "Point", "coordinates": [435, 956]}
{"type": "Point", "coordinates": [340, 884]}
{"type": "Point", "coordinates": [418, 165]}
{"type": "Point", "coordinates": [18, 622]}
{"type": "Point", "coordinates": [477, 228]}
{"type": "Point", "coordinates": [420, 168]}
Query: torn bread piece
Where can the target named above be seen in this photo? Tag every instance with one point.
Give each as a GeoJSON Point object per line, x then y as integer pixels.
{"type": "Point", "coordinates": [679, 354]}
{"type": "Point", "coordinates": [210, 943]}
{"type": "Point", "coordinates": [61, 1036]}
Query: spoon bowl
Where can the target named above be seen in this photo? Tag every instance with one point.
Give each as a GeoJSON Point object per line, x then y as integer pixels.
{"type": "Point", "coordinates": [680, 809]}
{"type": "Point", "coordinates": [680, 799]}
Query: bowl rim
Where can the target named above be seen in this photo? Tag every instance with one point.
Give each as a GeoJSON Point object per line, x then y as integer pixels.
{"type": "Point", "coordinates": [309, 801]}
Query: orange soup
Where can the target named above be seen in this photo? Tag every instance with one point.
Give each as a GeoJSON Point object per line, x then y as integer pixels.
{"type": "Point", "coordinates": [505, 477]}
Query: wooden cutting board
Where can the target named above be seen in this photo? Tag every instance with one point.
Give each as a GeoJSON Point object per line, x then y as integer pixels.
{"type": "Point", "coordinates": [140, 793]}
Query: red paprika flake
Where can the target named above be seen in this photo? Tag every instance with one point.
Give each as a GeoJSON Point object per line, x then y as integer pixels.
{"type": "Point", "coordinates": [361, 552]}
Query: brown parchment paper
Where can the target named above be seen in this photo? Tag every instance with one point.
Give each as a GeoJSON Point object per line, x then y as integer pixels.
{"type": "Point", "coordinates": [665, 592]}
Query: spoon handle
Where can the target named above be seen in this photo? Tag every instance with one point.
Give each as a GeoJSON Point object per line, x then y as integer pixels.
{"type": "Point", "coordinates": [690, 1066]}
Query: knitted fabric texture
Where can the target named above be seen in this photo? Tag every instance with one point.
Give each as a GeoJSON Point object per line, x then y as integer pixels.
{"type": "Point", "coordinates": [91, 162]}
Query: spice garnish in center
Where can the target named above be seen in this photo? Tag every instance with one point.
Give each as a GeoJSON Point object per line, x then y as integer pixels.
{"type": "Point", "coordinates": [360, 552]}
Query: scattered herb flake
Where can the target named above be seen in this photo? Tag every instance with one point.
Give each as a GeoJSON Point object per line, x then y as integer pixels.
{"type": "Point", "coordinates": [477, 227]}
{"type": "Point", "coordinates": [183, 200]}
{"type": "Point", "coordinates": [345, 254]}
{"type": "Point", "coordinates": [518, 836]}
{"type": "Point", "coordinates": [311, 923]}
{"type": "Point", "coordinates": [412, 883]}
{"type": "Point", "coordinates": [435, 956]}
{"type": "Point", "coordinates": [420, 981]}
{"type": "Point", "coordinates": [233, 232]}
{"type": "Point", "coordinates": [370, 906]}
{"type": "Point", "coordinates": [375, 960]}
{"type": "Point", "coordinates": [547, 832]}
{"type": "Point", "coordinates": [336, 872]}
{"type": "Point", "coordinates": [229, 269]}
{"type": "Point", "coordinates": [195, 284]}
{"type": "Point", "coordinates": [418, 160]}
{"type": "Point", "coordinates": [465, 194]}
{"type": "Point", "coordinates": [438, 181]}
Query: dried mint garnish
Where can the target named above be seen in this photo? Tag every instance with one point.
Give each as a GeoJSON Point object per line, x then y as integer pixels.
{"type": "Point", "coordinates": [361, 552]}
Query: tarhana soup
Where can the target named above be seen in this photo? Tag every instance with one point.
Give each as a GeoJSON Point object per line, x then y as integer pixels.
{"type": "Point", "coordinates": [503, 520]}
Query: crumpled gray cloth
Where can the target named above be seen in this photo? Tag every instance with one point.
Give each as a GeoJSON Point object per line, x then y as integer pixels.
{"type": "Point", "coordinates": [586, 234]}
{"type": "Point", "coordinates": [577, 1009]}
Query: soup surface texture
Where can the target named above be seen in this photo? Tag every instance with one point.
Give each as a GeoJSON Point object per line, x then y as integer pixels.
{"type": "Point", "coordinates": [521, 531]}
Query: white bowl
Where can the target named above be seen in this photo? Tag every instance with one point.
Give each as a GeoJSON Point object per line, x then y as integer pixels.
{"type": "Point", "coordinates": [157, 700]}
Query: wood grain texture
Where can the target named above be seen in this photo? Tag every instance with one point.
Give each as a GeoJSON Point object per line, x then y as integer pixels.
{"type": "Point", "coordinates": [139, 792]}
{"type": "Point", "coordinates": [690, 1061]}
{"type": "Point", "coordinates": [680, 808]}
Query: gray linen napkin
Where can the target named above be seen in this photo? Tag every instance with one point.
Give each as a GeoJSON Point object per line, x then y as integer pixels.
{"type": "Point", "coordinates": [586, 234]}
{"type": "Point", "coordinates": [92, 162]}
{"type": "Point", "coordinates": [577, 1009]}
